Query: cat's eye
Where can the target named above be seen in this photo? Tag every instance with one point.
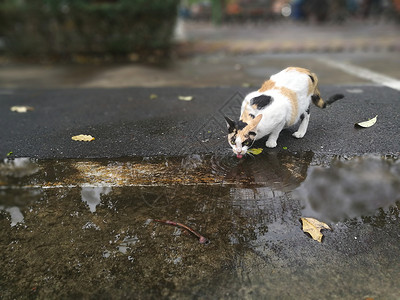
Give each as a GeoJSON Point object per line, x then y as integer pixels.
{"type": "Point", "coordinates": [233, 143]}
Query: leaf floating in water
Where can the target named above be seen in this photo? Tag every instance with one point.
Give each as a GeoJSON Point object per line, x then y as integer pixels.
{"type": "Point", "coordinates": [83, 138]}
{"type": "Point", "coordinates": [21, 109]}
{"type": "Point", "coordinates": [368, 123]}
{"type": "Point", "coordinates": [314, 227]}
{"type": "Point", "coordinates": [255, 151]}
{"type": "Point", "coordinates": [185, 98]}
{"type": "Point", "coordinates": [153, 96]}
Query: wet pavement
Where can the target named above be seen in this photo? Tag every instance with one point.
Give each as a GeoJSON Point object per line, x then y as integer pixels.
{"type": "Point", "coordinates": [127, 122]}
{"type": "Point", "coordinates": [85, 228]}
{"type": "Point", "coordinates": [216, 69]}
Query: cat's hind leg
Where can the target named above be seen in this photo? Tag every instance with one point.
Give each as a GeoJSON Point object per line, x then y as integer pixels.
{"type": "Point", "coordinates": [305, 118]}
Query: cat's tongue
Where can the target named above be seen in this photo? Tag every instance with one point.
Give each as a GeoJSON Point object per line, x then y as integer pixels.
{"type": "Point", "coordinates": [239, 155]}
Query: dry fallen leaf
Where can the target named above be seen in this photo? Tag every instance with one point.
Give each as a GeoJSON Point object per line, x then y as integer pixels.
{"type": "Point", "coordinates": [21, 109]}
{"type": "Point", "coordinates": [255, 151]}
{"type": "Point", "coordinates": [185, 98]}
{"type": "Point", "coordinates": [314, 227]}
{"type": "Point", "coordinates": [153, 96]}
{"type": "Point", "coordinates": [368, 123]}
{"type": "Point", "coordinates": [83, 138]}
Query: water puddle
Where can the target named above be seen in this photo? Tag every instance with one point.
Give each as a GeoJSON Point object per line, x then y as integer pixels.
{"type": "Point", "coordinates": [351, 189]}
{"type": "Point", "coordinates": [85, 229]}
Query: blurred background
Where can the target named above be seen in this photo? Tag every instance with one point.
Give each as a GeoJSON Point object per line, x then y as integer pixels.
{"type": "Point", "coordinates": [303, 10]}
{"type": "Point", "coordinates": [116, 43]}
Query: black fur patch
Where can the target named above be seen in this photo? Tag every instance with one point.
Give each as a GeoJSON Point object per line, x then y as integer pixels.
{"type": "Point", "coordinates": [315, 98]}
{"type": "Point", "coordinates": [231, 124]}
{"type": "Point", "coordinates": [312, 78]}
{"type": "Point", "coordinates": [308, 110]}
{"type": "Point", "coordinates": [241, 125]}
{"type": "Point", "coordinates": [302, 117]}
{"type": "Point", "coordinates": [247, 142]}
{"type": "Point", "coordinates": [252, 133]}
{"type": "Point", "coordinates": [261, 101]}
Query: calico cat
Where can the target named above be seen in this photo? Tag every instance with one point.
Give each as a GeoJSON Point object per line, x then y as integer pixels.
{"type": "Point", "coordinates": [282, 101]}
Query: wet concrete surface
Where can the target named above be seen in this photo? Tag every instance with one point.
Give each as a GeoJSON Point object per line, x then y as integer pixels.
{"type": "Point", "coordinates": [126, 122]}
{"type": "Point", "coordinates": [76, 225]}
{"type": "Point", "coordinates": [68, 234]}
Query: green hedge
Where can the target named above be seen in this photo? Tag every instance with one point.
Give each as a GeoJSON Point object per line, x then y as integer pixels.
{"type": "Point", "coordinates": [67, 27]}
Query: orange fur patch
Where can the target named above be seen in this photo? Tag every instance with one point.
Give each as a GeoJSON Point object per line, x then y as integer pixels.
{"type": "Point", "coordinates": [245, 117]}
{"type": "Point", "coordinates": [312, 88]}
{"type": "Point", "coordinates": [301, 70]}
{"type": "Point", "coordinates": [291, 95]}
{"type": "Point", "coordinates": [267, 85]}
{"type": "Point", "coordinates": [252, 124]}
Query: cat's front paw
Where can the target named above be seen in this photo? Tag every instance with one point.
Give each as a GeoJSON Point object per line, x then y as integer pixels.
{"type": "Point", "coordinates": [298, 134]}
{"type": "Point", "coordinates": [271, 144]}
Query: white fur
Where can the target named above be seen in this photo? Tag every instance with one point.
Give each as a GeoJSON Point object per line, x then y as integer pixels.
{"type": "Point", "coordinates": [278, 114]}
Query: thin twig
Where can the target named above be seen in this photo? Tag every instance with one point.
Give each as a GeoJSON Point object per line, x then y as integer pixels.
{"type": "Point", "coordinates": [202, 239]}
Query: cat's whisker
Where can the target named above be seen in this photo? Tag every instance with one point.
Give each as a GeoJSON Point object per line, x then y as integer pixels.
{"type": "Point", "coordinates": [250, 154]}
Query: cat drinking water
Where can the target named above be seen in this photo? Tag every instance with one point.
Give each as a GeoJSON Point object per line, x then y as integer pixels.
{"type": "Point", "coordinates": [282, 101]}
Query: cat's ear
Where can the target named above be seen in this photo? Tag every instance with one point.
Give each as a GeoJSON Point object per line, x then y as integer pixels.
{"type": "Point", "coordinates": [230, 123]}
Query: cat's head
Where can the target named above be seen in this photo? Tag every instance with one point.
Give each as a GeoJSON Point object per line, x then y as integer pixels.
{"type": "Point", "coordinates": [241, 134]}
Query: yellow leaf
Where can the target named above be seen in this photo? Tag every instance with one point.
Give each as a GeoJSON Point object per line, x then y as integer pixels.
{"type": "Point", "coordinates": [255, 151]}
{"type": "Point", "coordinates": [185, 98]}
{"type": "Point", "coordinates": [314, 227]}
{"type": "Point", "coordinates": [83, 138]}
{"type": "Point", "coordinates": [153, 96]}
{"type": "Point", "coordinates": [21, 109]}
{"type": "Point", "coordinates": [368, 123]}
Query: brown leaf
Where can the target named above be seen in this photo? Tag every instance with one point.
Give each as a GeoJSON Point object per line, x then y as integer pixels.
{"type": "Point", "coordinates": [314, 227]}
{"type": "Point", "coordinates": [83, 138]}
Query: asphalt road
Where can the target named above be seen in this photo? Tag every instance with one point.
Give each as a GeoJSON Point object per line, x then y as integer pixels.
{"type": "Point", "coordinates": [126, 122]}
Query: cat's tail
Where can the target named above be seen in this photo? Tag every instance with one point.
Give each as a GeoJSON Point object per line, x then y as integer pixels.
{"type": "Point", "coordinates": [334, 98]}
{"type": "Point", "coordinates": [316, 97]}
{"type": "Point", "coordinates": [318, 101]}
